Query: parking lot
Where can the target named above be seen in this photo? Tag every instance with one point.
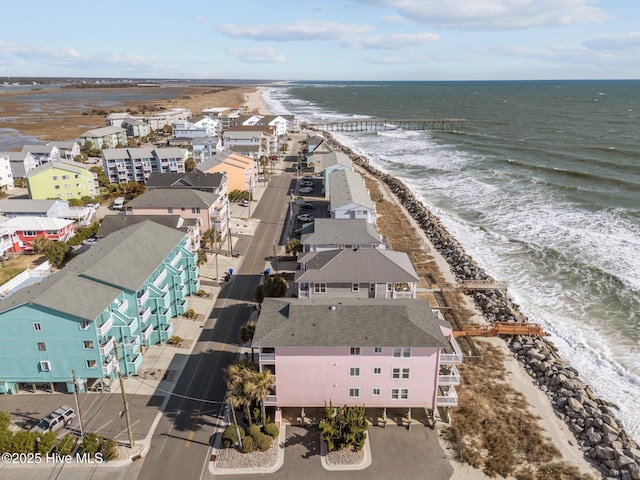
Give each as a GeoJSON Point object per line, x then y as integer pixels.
{"type": "Point", "coordinates": [309, 188]}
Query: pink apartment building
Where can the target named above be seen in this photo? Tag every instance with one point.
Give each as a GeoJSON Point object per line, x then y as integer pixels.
{"type": "Point", "coordinates": [381, 353]}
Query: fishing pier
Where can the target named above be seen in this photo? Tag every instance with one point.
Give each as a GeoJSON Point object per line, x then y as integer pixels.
{"type": "Point", "coordinates": [382, 125]}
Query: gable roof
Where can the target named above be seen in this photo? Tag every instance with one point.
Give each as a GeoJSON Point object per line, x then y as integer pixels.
{"type": "Point", "coordinates": [360, 322]}
{"type": "Point", "coordinates": [67, 165]}
{"type": "Point", "coordinates": [113, 223]}
{"type": "Point", "coordinates": [23, 205]}
{"type": "Point", "coordinates": [347, 187]}
{"type": "Point", "coordinates": [173, 197]}
{"type": "Point", "coordinates": [123, 260]}
{"type": "Point", "coordinates": [102, 131]}
{"type": "Point", "coordinates": [40, 149]}
{"type": "Point", "coordinates": [340, 231]}
{"type": "Point", "coordinates": [193, 179]}
{"type": "Point", "coordinates": [368, 265]}
{"type": "Point", "coordinates": [336, 158]}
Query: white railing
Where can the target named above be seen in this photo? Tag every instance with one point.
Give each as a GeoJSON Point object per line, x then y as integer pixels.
{"type": "Point", "coordinates": [145, 315]}
{"type": "Point", "coordinates": [270, 400]}
{"type": "Point", "coordinates": [452, 357]}
{"type": "Point", "coordinates": [107, 347]}
{"type": "Point", "coordinates": [453, 378]}
{"type": "Point", "coordinates": [109, 367]}
{"type": "Point", "coordinates": [176, 259]}
{"type": "Point", "coordinates": [403, 294]}
{"type": "Point", "coordinates": [267, 357]}
{"type": "Point", "coordinates": [41, 271]}
{"type": "Point", "coordinates": [142, 299]}
{"type": "Point", "coordinates": [105, 327]}
{"type": "Point", "coordinates": [123, 306]}
{"type": "Point", "coordinates": [161, 278]}
{"type": "Point", "coordinates": [147, 333]}
{"type": "Point", "coordinates": [449, 399]}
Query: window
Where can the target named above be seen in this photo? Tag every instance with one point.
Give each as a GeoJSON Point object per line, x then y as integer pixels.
{"type": "Point", "coordinates": [67, 185]}
{"type": "Point", "coordinates": [402, 352]}
{"type": "Point", "coordinates": [401, 373]}
{"type": "Point", "coordinates": [57, 187]}
{"type": "Point", "coordinates": [55, 177]}
{"type": "Point", "coordinates": [319, 288]}
{"type": "Point", "coordinates": [377, 350]}
{"type": "Point", "coordinates": [84, 325]}
{"type": "Point", "coordinates": [354, 392]}
{"type": "Point", "coordinates": [404, 393]}
{"type": "Point", "coordinates": [37, 326]}
{"type": "Point", "coordinates": [42, 347]}
{"type": "Point", "coordinates": [354, 372]}
{"type": "Point", "coordinates": [195, 210]}
{"type": "Point", "coordinates": [375, 392]}
{"type": "Point", "coordinates": [91, 364]}
{"type": "Point", "coordinates": [87, 344]}
{"type": "Point", "coordinates": [372, 288]}
{"type": "Point", "coordinates": [377, 370]}
{"type": "Point", "coordinates": [45, 366]}
{"type": "Point", "coordinates": [395, 394]}
{"type": "Point", "coordinates": [354, 351]}
{"type": "Point", "coordinates": [355, 287]}
{"type": "Point", "coordinates": [389, 288]}
{"type": "Point", "coordinates": [29, 233]}
{"type": "Point", "coordinates": [65, 177]}
{"type": "Point", "coordinates": [169, 209]}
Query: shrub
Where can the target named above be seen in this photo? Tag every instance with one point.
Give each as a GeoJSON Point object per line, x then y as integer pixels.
{"type": "Point", "coordinates": [46, 442]}
{"type": "Point", "coordinates": [109, 449]}
{"type": "Point", "coordinates": [254, 430]}
{"type": "Point", "coordinates": [90, 444]}
{"type": "Point", "coordinates": [230, 437]}
{"type": "Point", "coordinates": [66, 444]}
{"type": "Point", "coordinates": [272, 430]}
{"type": "Point", "coordinates": [174, 340]}
{"type": "Point", "coordinates": [201, 293]}
{"type": "Point", "coordinates": [5, 421]}
{"type": "Point", "coordinates": [263, 442]}
{"type": "Point", "coordinates": [23, 442]}
{"type": "Point", "coordinates": [346, 428]}
{"type": "Point", "coordinates": [248, 445]}
{"type": "Point", "coordinates": [190, 313]}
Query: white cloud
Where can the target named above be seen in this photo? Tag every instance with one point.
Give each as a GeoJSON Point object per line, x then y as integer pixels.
{"type": "Point", "coordinates": [300, 31]}
{"type": "Point", "coordinates": [394, 40]}
{"type": "Point", "coordinates": [494, 14]}
{"type": "Point", "coordinates": [392, 18]}
{"type": "Point", "coordinates": [59, 55]}
{"type": "Point", "coordinates": [318, 8]}
{"type": "Point", "coordinates": [258, 55]}
{"type": "Point", "coordinates": [201, 19]}
{"type": "Point", "coordinates": [615, 41]}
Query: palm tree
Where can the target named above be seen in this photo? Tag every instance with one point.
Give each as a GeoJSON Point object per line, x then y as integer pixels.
{"type": "Point", "coordinates": [237, 376]}
{"type": "Point", "coordinates": [258, 387]}
{"type": "Point", "coordinates": [245, 334]}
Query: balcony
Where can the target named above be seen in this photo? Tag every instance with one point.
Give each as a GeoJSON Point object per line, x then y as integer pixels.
{"type": "Point", "coordinates": [270, 400]}
{"type": "Point", "coordinates": [181, 290]}
{"type": "Point", "coordinates": [179, 277]}
{"type": "Point", "coordinates": [449, 397]}
{"type": "Point", "coordinates": [107, 347]}
{"type": "Point", "coordinates": [450, 378]}
{"type": "Point", "coordinates": [161, 298]}
{"type": "Point", "coordinates": [142, 297]}
{"type": "Point", "coordinates": [147, 333]}
{"type": "Point", "coordinates": [122, 306]}
{"type": "Point", "coordinates": [109, 367]}
{"type": "Point", "coordinates": [134, 365]}
{"type": "Point", "coordinates": [455, 357]}
{"type": "Point", "coordinates": [166, 331]}
{"type": "Point", "coordinates": [163, 314]}
{"type": "Point", "coordinates": [176, 260]}
{"type": "Point", "coordinates": [158, 282]}
{"type": "Point", "coordinates": [105, 327]}
{"type": "Point", "coordinates": [267, 357]}
{"type": "Point", "coordinates": [145, 315]}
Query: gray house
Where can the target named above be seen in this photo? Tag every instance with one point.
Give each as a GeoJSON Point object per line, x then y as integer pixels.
{"type": "Point", "coordinates": [339, 233]}
{"type": "Point", "coordinates": [356, 273]}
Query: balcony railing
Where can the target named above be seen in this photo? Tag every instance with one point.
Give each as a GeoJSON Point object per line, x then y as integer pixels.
{"type": "Point", "coordinates": [161, 278]}
{"type": "Point", "coordinates": [270, 400]}
{"type": "Point", "coordinates": [448, 399]}
{"type": "Point", "coordinates": [175, 260]}
{"type": "Point", "coordinates": [142, 298]}
{"type": "Point", "coordinates": [267, 357]}
{"type": "Point", "coordinates": [147, 333]}
{"type": "Point", "coordinates": [107, 347]}
{"type": "Point", "coordinates": [108, 367]}
{"type": "Point", "coordinates": [105, 327]}
{"type": "Point", "coordinates": [452, 378]}
{"type": "Point", "coordinates": [452, 357]}
{"type": "Point", "coordinates": [123, 306]}
{"type": "Point", "coordinates": [145, 315]}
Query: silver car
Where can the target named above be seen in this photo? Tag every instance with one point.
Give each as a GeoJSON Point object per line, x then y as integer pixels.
{"type": "Point", "coordinates": [60, 417]}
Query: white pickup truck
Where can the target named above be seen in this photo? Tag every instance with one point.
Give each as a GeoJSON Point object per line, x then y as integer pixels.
{"type": "Point", "coordinates": [60, 417]}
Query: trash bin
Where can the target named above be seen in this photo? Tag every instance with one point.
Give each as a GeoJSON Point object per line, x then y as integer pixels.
{"type": "Point", "coordinates": [267, 272]}
{"type": "Point", "coordinates": [230, 271]}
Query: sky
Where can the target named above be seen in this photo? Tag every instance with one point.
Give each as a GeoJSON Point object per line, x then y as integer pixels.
{"type": "Point", "coordinates": [323, 40]}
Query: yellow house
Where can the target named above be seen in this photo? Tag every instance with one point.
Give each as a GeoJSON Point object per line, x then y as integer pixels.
{"type": "Point", "coordinates": [63, 179]}
{"type": "Point", "coordinates": [241, 171]}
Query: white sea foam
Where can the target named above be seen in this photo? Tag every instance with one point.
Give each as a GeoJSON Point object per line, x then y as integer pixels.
{"type": "Point", "coordinates": [575, 271]}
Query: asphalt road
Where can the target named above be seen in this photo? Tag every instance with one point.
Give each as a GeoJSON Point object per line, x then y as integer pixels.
{"type": "Point", "coordinates": [180, 445]}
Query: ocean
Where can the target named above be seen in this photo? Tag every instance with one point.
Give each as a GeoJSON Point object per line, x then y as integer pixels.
{"type": "Point", "coordinates": [541, 187]}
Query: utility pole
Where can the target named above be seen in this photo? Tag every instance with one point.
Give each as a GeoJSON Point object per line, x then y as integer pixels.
{"type": "Point", "coordinates": [215, 247]}
{"type": "Point", "coordinates": [275, 259]}
{"type": "Point", "coordinates": [124, 399]}
{"type": "Point", "coordinates": [229, 227]}
{"type": "Point", "coordinates": [75, 394]}
{"type": "Point", "coordinates": [235, 422]}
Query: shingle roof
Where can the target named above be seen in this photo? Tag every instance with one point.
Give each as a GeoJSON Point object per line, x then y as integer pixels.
{"type": "Point", "coordinates": [350, 266]}
{"type": "Point", "coordinates": [359, 322]}
{"type": "Point", "coordinates": [113, 223]}
{"type": "Point", "coordinates": [339, 231]}
{"type": "Point", "coordinates": [92, 280]}
{"type": "Point", "coordinates": [101, 132]}
{"type": "Point", "coordinates": [173, 197]}
{"type": "Point", "coordinates": [336, 158]}
{"type": "Point", "coordinates": [193, 179]}
{"type": "Point", "coordinates": [41, 149]}
{"type": "Point", "coordinates": [67, 165]}
{"type": "Point", "coordinates": [22, 205]}
{"type": "Point", "coordinates": [347, 187]}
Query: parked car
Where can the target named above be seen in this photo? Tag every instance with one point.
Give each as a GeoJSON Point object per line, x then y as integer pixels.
{"type": "Point", "coordinates": [306, 190]}
{"type": "Point", "coordinates": [306, 218]}
{"type": "Point", "coordinates": [307, 177]}
{"type": "Point", "coordinates": [244, 203]}
{"type": "Point", "coordinates": [306, 184]}
{"type": "Point", "coordinates": [90, 241]}
{"type": "Point", "coordinates": [308, 206]}
{"type": "Point", "coordinates": [92, 205]}
{"type": "Point", "coordinates": [61, 417]}
{"type": "Point", "coordinates": [261, 178]}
